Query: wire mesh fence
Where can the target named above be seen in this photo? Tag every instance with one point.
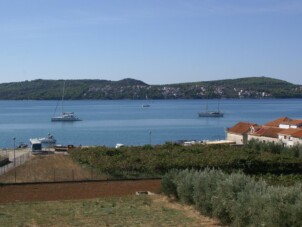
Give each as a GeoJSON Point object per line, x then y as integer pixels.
{"type": "Point", "coordinates": [17, 161]}
{"type": "Point", "coordinates": [50, 175]}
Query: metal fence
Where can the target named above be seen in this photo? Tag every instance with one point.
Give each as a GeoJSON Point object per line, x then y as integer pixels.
{"type": "Point", "coordinates": [17, 161]}
{"type": "Point", "coordinates": [50, 175]}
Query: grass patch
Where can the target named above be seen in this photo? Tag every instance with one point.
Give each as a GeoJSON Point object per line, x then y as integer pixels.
{"type": "Point", "coordinates": [119, 211]}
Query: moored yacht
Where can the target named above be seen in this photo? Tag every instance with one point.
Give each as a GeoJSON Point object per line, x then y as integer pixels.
{"type": "Point", "coordinates": [66, 116]}
{"type": "Point", "coordinates": [210, 114]}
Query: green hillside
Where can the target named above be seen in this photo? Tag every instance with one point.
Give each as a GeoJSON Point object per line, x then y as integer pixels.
{"type": "Point", "coordinates": [252, 87]}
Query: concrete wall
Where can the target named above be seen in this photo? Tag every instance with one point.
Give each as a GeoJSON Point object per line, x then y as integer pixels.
{"type": "Point", "coordinates": [238, 139]}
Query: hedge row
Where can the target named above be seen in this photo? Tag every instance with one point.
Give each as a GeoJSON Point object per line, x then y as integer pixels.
{"type": "Point", "coordinates": [236, 199]}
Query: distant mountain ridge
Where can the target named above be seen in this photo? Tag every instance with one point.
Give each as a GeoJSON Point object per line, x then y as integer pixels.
{"type": "Point", "coordinates": [251, 87]}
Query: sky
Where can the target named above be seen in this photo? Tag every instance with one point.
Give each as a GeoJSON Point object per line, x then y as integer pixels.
{"type": "Point", "coordinates": [158, 41]}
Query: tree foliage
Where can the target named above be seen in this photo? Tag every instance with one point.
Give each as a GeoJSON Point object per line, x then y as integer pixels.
{"type": "Point", "coordinates": [253, 87]}
{"type": "Point", "coordinates": [236, 199]}
{"type": "Point", "coordinates": [158, 160]}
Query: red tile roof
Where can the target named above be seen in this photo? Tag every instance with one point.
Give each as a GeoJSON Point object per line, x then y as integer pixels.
{"type": "Point", "coordinates": [296, 122]}
{"type": "Point", "coordinates": [241, 128]}
{"type": "Point", "coordinates": [290, 131]}
{"type": "Point", "coordinates": [277, 122]}
{"type": "Point", "coordinates": [297, 134]}
{"type": "Point", "coordinates": [268, 132]}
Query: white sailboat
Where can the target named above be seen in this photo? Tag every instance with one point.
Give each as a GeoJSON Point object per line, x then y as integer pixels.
{"type": "Point", "coordinates": [208, 113]}
{"type": "Point", "coordinates": [146, 104]}
{"type": "Point", "coordinates": [65, 116]}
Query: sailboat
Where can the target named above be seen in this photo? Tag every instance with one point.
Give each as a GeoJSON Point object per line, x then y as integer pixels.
{"type": "Point", "coordinates": [65, 116]}
{"type": "Point", "coordinates": [208, 113]}
{"type": "Point", "coordinates": [146, 105]}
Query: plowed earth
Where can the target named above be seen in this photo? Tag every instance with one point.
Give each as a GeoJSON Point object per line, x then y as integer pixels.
{"type": "Point", "coordinates": [74, 190]}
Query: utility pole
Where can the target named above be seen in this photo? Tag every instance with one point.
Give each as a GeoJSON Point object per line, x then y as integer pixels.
{"type": "Point", "coordinates": [14, 151]}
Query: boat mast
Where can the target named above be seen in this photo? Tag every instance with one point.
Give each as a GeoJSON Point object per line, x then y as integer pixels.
{"type": "Point", "coordinates": [63, 96]}
{"type": "Point", "coordinates": [207, 106]}
{"type": "Point", "coordinates": [218, 106]}
{"type": "Point", "coordinates": [207, 102]}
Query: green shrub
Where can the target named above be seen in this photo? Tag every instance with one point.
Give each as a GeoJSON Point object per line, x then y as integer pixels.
{"type": "Point", "coordinates": [226, 195]}
{"type": "Point", "coordinates": [168, 184]}
{"type": "Point", "coordinates": [204, 185]}
{"type": "Point", "coordinates": [184, 182]}
{"type": "Point", "coordinates": [237, 199]}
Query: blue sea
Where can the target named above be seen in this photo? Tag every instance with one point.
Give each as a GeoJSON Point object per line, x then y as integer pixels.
{"type": "Point", "coordinates": [125, 121]}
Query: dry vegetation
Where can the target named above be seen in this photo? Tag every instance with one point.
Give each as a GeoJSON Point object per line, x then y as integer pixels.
{"type": "Point", "coordinates": [115, 211]}
{"type": "Point", "coordinates": [43, 168]}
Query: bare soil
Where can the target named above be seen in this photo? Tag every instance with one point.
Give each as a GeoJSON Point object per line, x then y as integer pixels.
{"type": "Point", "coordinates": [74, 190]}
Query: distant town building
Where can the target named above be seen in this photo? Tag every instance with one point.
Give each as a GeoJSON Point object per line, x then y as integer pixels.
{"type": "Point", "coordinates": [282, 130]}
{"type": "Point", "coordinates": [239, 132]}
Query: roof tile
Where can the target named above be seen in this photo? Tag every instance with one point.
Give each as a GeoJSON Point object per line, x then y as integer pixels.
{"type": "Point", "coordinates": [241, 128]}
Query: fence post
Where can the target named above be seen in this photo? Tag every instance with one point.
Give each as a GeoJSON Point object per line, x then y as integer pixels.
{"type": "Point", "coordinates": [15, 175]}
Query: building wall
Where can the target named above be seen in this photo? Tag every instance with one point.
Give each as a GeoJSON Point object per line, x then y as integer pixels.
{"type": "Point", "coordinates": [297, 141]}
{"type": "Point", "coordinates": [264, 139]}
{"type": "Point", "coordinates": [285, 126]}
{"type": "Point", "coordinates": [286, 139]}
{"type": "Point", "coordinates": [238, 139]}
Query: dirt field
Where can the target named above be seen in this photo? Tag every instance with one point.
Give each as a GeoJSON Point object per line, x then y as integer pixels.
{"type": "Point", "coordinates": [78, 190]}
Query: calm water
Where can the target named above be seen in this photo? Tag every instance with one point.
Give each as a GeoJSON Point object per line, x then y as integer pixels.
{"type": "Point", "coordinates": [125, 121]}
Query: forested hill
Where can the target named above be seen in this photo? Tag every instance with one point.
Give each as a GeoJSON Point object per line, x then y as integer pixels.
{"type": "Point", "coordinates": [252, 87]}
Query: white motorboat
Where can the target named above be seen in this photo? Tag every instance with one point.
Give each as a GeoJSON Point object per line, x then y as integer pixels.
{"type": "Point", "coordinates": [49, 139]}
{"type": "Point", "coordinates": [118, 145]}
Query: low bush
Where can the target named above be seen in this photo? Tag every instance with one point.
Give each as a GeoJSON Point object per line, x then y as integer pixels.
{"type": "Point", "coordinates": [236, 198]}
